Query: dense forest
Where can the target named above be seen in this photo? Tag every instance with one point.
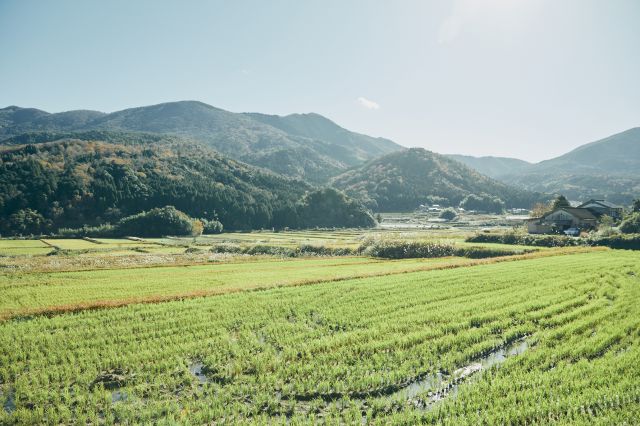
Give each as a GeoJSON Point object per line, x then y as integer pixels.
{"type": "Point", "coordinates": [403, 180]}
{"type": "Point", "coordinates": [70, 183]}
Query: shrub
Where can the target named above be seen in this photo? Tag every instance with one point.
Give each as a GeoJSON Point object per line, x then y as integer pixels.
{"type": "Point", "coordinates": [197, 227]}
{"type": "Point", "coordinates": [402, 249]}
{"type": "Point", "coordinates": [630, 242]}
{"type": "Point", "coordinates": [487, 252]}
{"type": "Point", "coordinates": [448, 214]}
{"type": "Point", "coordinates": [626, 242]}
{"type": "Point", "coordinates": [483, 203]}
{"type": "Point", "coordinates": [104, 231]}
{"type": "Point", "coordinates": [156, 223]}
{"type": "Point", "coordinates": [211, 226]}
{"type": "Point", "coordinates": [226, 248]}
{"type": "Point", "coordinates": [631, 224]}
{"type": "Point", "coordinates": [311, 250]}
{"type": "Point", "coordinates": [269, 250]}
{"type": "Point", "coordinates": [606, 231]}
{"type": "Point", "coordinates": [193, 250]}
{"type": "Point", "coordinates": [526, 240]}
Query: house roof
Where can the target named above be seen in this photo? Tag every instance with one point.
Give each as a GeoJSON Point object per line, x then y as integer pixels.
{"type": "Point", "coordinates": [603, 203]}
{"type": "Point", "coordinates": [578, 212]}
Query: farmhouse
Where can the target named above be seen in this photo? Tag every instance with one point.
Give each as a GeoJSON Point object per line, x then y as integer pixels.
{"type": "Point", "coordinates": [561, 219]}
{"type": "Point", "coordinates": [602, 207]}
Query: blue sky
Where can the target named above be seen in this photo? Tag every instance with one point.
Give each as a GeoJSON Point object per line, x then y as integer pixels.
{"type": "Point", "coordinates": [524, 78]}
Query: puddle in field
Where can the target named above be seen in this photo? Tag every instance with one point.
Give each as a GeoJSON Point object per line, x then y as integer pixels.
{"type": "Point", "coordinates": [114, 380]}
{"type": "Point", "coordinates": [196, 368]}
{"type": "Point", "coordinates": [10, 403]}
{"type": "Point", "coordinates": [423, 393]}
{"type": "Point", "coordinates": [261, 339]}
{"type": "Point", "coordinates": [444, 385]}
{"type": "Point", "coordinates": [119, 396]}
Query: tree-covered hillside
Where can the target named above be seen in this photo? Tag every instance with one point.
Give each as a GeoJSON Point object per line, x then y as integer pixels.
{"type": "Point", "coordinates": [401, 181]}
{"type": "Point", "coordinates": [84, 181]}
{"type": "Point", "coordinates": [294, 146]}
{"type": "Point", "coordinates": [349, 147]}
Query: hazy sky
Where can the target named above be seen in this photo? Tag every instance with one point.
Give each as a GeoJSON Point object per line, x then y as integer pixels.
{"type": "Point", "coordinates": [523, 78]}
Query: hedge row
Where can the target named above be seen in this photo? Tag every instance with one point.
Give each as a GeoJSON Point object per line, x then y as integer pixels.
{"type": "Point", "coordinates": [299, 251]}
{"type": "Point", "coordinates": [401, 249]}
{"type": "Point", "coordinates": [387, 249]}
{"type": "Point", "coordinates": [629, 242]}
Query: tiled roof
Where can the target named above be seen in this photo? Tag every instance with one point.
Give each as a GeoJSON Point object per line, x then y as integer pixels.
{"type": "Point", "coordinates": [578, 212]}
{"type": "Point", "coordinates": [603, 203]}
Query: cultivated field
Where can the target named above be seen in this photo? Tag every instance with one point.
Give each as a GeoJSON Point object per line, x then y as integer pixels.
{"type": "Point", "coordinates": [118, 331]}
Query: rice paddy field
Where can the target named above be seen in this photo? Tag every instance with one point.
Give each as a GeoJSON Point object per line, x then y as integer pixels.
{"type": "Point", "coordinates": [23, 248]}
{"type": "Point", "coordinates": [350, 239]}
{"type": "Point", "coordinates": [107, 331]}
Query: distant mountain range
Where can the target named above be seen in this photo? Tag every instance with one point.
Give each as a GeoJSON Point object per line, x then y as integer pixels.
{"type": "Point", "coordinates": [403, 180]}
{"type": "Point", "coordinates": [305, 146]}
{"type": "Point", "coordinates": [494, 167]}
{"type": "Point", "coordinates": [618, 154]}
{"type": "Point", "coordinates": [608, 168]}
{"type": "Point", "coordinates": [294, 154]}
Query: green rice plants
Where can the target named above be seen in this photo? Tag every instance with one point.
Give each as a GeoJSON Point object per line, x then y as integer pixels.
{"type": "Point", "coordinates": [340, 351]}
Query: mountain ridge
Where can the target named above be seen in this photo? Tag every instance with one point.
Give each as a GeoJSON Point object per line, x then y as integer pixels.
{"type": "Point", "coordinates": [315, 149]}
{"type": "Point", "coordinates": [492, 166]}
{"type": "Point", "coordinates": [239, 135]}
{"type": "Point", "coordinates": [606, 168]}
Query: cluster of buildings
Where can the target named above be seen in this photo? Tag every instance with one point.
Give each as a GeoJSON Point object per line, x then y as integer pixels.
{"type": "Point", "coordinates": [583, 217]}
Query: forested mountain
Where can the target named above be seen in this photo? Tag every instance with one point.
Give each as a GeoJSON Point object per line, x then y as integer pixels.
{"type": "Point", "coordinates": [311, 148]}
{"type": "Point", "coordinates": [403, 180]}
{"type": "Point", "coordinates": [78, 181]}
{"type": "Point", "coordinates": [306, 146]}
{"type": "Point", "coordinates": [236, 135]}
{"type": "Point", "coordinates": [494, 167]}
{"type": "Point", "coordinates": [350, 147]}
{"type": "Point", "coordinates": [608, 168]}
